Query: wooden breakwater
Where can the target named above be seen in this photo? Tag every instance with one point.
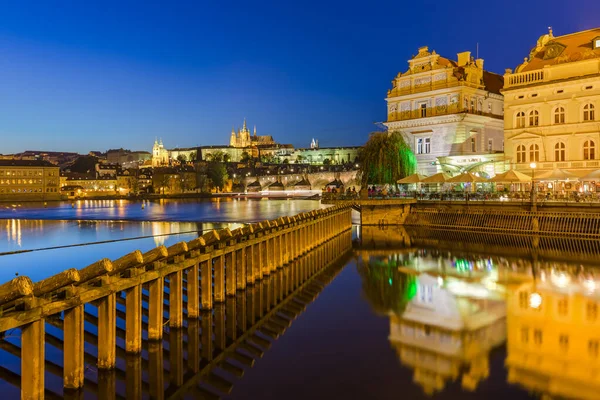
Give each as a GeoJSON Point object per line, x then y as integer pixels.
{"type": "Point", "coordinates": [549, 223]}
{"type": "Point", "coordinates": [183, 281]}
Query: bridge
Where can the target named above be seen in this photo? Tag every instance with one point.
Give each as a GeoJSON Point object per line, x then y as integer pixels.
{"type": "Point", "coordinates": [226, 294]}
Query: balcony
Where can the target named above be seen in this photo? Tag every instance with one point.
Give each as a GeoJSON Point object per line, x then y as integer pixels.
{"type": "Point", "coordinates": [436, 111]}
{"type": "Point", "coordinates": [524, 78]}
{"type": "Point", "coordinates": [550, 165]}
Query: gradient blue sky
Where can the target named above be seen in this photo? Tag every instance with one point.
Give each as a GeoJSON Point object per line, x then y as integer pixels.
{"type": "Point", "coordinates": [83, 75]}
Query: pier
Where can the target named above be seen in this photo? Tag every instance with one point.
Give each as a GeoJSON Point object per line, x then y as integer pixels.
{"type": "Point", "coordinates": [244, 287]}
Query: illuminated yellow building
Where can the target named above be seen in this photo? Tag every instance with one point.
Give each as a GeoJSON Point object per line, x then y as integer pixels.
{"type": "Point", "coordinates": [448, 329]}
{"type": "Point", "coordinates": [552, 101]}
{"type": "Point", "coordinates": [554, 335]}
{"type": "Point", "coordinates": [450, 113]}
{"type": "Point", "coordinates": [29, 180]}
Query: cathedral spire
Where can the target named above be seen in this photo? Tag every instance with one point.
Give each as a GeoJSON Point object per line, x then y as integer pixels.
{"type": "Point", "coordinates": [254, 130]}
{"type": "Point", "coordinates": [244, 128]}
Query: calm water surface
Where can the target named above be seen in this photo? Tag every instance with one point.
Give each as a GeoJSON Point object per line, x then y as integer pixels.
{"type": "Point", "coordinates": [400, 316]}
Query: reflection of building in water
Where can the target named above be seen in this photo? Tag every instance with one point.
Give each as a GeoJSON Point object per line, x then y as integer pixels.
{"type": "Point", "coordinates": [167, 232]}
{"type": "Point", "coordinates": [449, 327]}
{"type": "Point", "coordinates": [554, 334]}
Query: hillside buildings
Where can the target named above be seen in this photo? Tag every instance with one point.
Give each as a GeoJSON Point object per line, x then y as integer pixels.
{"type": "Point", "coordinates": [29, 180]}
{"type": "Point", "coordinates": [450, 112]}
{"type": "Point", "coordinates": [552, 102]}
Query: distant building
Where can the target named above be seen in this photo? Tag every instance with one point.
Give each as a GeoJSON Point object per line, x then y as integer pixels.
{"type": "Point", "coordinates": [243, 138]}
{"type": "Point", "coordinates": [29, 180]}
{"type": "Point", "coordinates": [127, 158]}
{"type": "Point", "coordinates": [552, 103]}
{"type": "Point", "coordinates": [450, 112]}
{"type": "Point", "coordinates": [160, 155]}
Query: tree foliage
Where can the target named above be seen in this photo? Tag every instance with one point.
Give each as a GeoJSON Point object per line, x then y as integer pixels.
{"type": "Point", "coordinates": [84, 164]}
{"type": "Point", "coordinates": [217, 173]}
{"type": "Point", "coordinates": [385, 158]}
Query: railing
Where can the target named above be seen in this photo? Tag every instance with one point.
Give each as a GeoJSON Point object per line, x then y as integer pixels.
{"type": "Point", "coordinates": [193, 277]}
{"type": "Point", "coordinates": [524, 78]}
{"type": "Point", "coordinates": [402, 91]}
{"type": "Point", "coordinates": [436, 111]}
{"type": "Point", "coordinates": [549, 165]}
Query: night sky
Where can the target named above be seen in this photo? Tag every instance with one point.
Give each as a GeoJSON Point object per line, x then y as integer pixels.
{"type": "Point", "coordinates": [75, 76]}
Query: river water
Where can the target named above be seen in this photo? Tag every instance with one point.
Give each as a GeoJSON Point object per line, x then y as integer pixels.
{"type": "Point", "coordinates": [404, 314]}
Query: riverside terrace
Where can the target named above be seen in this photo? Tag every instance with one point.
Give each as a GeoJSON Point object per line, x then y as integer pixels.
{"type": "Point", "coordinates": [192, 277]}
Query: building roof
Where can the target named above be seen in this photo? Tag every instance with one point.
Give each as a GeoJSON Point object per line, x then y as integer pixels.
{"type": "Point", "coordinates": [26, 163]}
{"type": "Point", "coordinates": [551, 50]}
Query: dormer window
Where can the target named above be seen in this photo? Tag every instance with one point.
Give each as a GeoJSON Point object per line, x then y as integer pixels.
{"type": "Point", "coordinates": [596, 43]}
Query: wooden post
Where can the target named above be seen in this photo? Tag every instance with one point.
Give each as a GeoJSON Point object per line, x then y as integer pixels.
{"type": "Point", "coordinates": [250, 306]}
{"type": "Point", "coordinates": [107, 331]}
{"type": "Point", "coordinates": [155, 309]}
{"type": "Point", "coordinates": [193, 341]}
{"type": "Point", "coordinates": [193, 291]}
{"type": "Point", "coordinates": [73, 348]}
{"type": "Point", "coordinates": [219, 271]}
{"type": "Point", "coordinates": [155, 370]}
{"type": "Point", "coordinates": [266, 261]}
{"type": "Point", "coordinates": [249, 264]}
{"type": "Point", "coordinates": [272, 253]}
{"type": "Point", "coordinates": [176, 299]}
{"type": "Point", "coordinates": [206, 337]}
{"type": "Point", "coordinates": [133, 319]}
{"type": "Point", "coordinates": [257, 262]}
{"type": "Point", "coordinates": [32, 360]}
{"type": "Point", "coordinates": [230, 273]}
{"type": "Point", "coordinates": [240, 269]}
{"type": "Point", "coordinates": [107, 384]}
{"type": "Point", "coordinates": [206, 281]}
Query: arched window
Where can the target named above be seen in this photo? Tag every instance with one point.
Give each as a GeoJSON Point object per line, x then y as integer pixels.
{"type": "Point", "coordinates": [588, 112]}
{"type": "Point", "coordinates": [559, 151]}
{"type": "Point", "coordinates": [589, 150]}
{"type": "Point", "coordinates": [534, 152]}
{"type": "Point", "coordinates": [559, 115]}
{"type": "Point", "coordinates": [520, 122]}
{"type": "Point", "coordinates": [534, 118]}
{"type": "Point", "coordinates": [521, 154]}
{"type": "Point", "coordinates": [466, 103]}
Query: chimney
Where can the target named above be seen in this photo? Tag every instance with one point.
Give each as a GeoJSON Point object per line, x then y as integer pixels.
{"type": "Point", "coordinates": [423, 49]}
{"type": "Point", "coordinates": [479, 63]}
{"type": "Point", "coordinates": [464, 58]}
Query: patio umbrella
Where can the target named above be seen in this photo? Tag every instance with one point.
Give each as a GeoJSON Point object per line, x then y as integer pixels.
{"type": "Point", "coordinates": [592, 176]}
{"type": "Point", "coordinates": [556, 175]}
{"type": "Point", "coordinates": [440, 177]}
{"type": "Point", "coordinates": [511, 176]}
{"type": "Point", "coordinates": [467, 177]}
{"type": "Point", "coordinates": [414, 178]}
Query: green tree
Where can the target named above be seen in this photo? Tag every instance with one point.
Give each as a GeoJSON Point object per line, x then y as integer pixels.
{"type": "Point", "coordinates": [193, 156]}
{"type": "Point", "coordinates": [245, 157]}
{"type": "Point", "coordinates": [217, 173]}
{"type": "Point", "coordinates": [299, 159]}
{"type": "Point", "coordinates": [217, 156]}
{"type": "Point", "coordinates": [182, 158]}
{"type": "Point", "coordinates": [226, 157]}
{"type": "Point", "coordinates": [327, 161]}
{"type": "Point", "coordinates": [286, 161]}
{"type": "Point", "coordinates": [385, 158]}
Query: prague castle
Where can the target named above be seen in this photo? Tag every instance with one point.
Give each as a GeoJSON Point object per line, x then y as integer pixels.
{"type": "Point", "coordinates": [450, 111]}
{"type": "Point", "coordinates": [244, 139]}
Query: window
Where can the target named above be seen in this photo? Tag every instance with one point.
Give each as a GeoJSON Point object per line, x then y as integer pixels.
{"type": "Point", "coordinates": [427, 148]}
{"type": "Point", "coordinates": [589, 150]}
{"type": "Point", "coordinates": [534, 153]}
{"type": "Point", "coordinates": [524, 335]}
{"type": "Point", "coordinates": [593, 348]}
{"type": "Point", "coordinates": [559, 151]}
{"type": "Point", "coordinates": [472, 105]}
{"type": "Point", "coordinates": [591, 311]}
{"type": "Point", "coordinates": [559, 91]}
{"type": "Point", "coordinates": [520, 97]}
{"type": "Point", "coordinates": [534, 95]}
{"type": "Point", "coordinates": [490, 108]}
{"type": "Point", "coordinates": [520, 122]}
{"type": "Point", "coordinates": [563, 342]}
{"type": "Point", "coordinates": [466, 103]}
{"type": "Point", "coordinates": [490, 145]}
{"type": "Point", "coordinates": [423, 108]}
{"type": "Point", "coordinates": [534, 118]}
{"type": "Point", "coordinates": [426, 293]}
{"type": "Point", "coordinates": [420, 146]}
{"type": "Point", "coordinates": [473, 145]}
{"type": "Point", "coordinates": [588, 87]}
{"type": "Point", "coordinates": [588, 112]}
{"type": "Point", "coordinates": [559, 115]}
{"type": "Point", "coordinates": [521, 154]}
{"type": "Point", "coordinates": [523, 300]}
{"type": "Point", "coordinates": [537, 337]}
{"type": "Point", "coordinates": [563, 307]}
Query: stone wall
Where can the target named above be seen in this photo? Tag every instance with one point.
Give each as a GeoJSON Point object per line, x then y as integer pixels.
{"type": "Point", "coordinates": [317, 180]}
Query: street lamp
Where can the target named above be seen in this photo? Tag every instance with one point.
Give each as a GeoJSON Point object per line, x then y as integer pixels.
{"type": "Point", "coordinates": [533, 166]}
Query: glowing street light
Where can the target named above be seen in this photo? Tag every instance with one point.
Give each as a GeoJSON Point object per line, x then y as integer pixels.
{"type": "Point", "coordinates": [535, 300]}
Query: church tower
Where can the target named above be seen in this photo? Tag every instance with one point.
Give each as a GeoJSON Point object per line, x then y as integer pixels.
{"type": "Point", "coordinates": [233, 139]}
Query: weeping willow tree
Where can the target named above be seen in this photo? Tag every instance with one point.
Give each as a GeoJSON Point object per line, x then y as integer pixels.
{"type": "Point", "coordinates": [385, 158]}
{"type": "Point", "coordinates": [386, 288]}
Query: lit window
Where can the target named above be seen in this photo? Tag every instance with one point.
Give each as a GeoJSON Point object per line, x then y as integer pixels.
{"type": "Point", "coordinates": [559, 151]}
{"type": "Point", "coordinates": [420, 146]}
{"type": "Point", "coordinates": [559, 115]}
{"type": "Point", "coordinates": [524, 335]}
{"type": "Point", "coordinates": [588, 112]}
{"type": "Point", "coordinates": [534, 152]}
{"type": "Point", "coordinates": [591, 311]}
{"type": "Point", "coordinates": [427, 148]}
{"type": "Point", "coordinates": [589, 150]}
{"type": "Point", "coordinates": [423, 108]}
{"type": "Point", "coordinates": [520, 120]}
{"type": "Point", "coordinates": [534, 118]}
{"type": "Point", "coordinates": [537, 336]}
{"type": "Point", "coordinates": [563, 341]}
{"type": "Point", "coordinates": [523, 300]}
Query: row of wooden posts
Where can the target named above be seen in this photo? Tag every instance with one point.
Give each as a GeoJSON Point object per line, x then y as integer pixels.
{"type": "Point", "coordinates": [215, 265]}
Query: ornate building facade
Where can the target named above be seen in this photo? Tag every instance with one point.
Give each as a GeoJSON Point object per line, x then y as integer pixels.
{"type": "Point", "coordinates": [551, 104]}
{"type": "Point", "coordinates": [160, 155]}
{"type": "Point", "coordinates": [243, 138]}
{"type": "Point", "coordinates": [450, 113]}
